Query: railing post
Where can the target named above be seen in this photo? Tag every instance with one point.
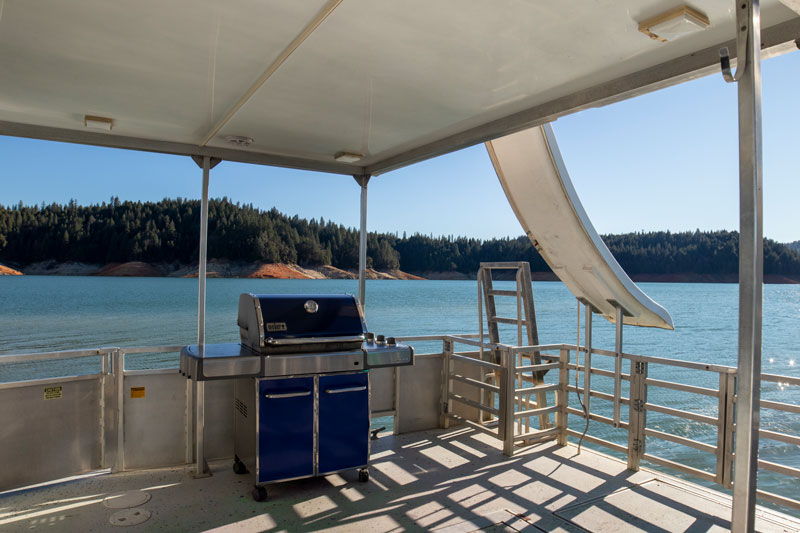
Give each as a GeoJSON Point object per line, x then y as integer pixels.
{"type": "Point", "coordinates": [730, 420]}
{"type": "Point", "coordinates": [118, 370]}
{"type": "Point", "coordinates": [722, 404]}
{"type": "Point", "coordinates": [446, 403]}
{"type": "Point", "coordinates": [507, 395]}
{"type": "Point", "coordinates": [104, 386]}
{"type": "Point", "coordinates": [587, 361]}
{"type": "Point", "coordinates": [638, 413]}
{"type": "Point", "coordinates": [618, 365]}
{"type": "Point", "coordinates": [561, 397]}
{"type": "Point", "coordinates": [189, 427]}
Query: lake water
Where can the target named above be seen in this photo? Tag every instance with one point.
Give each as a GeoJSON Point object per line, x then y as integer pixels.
{"type": "Point", "coordinates": [58, 313]}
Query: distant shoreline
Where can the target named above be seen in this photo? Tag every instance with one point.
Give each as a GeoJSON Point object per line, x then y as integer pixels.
{"type": "Point", "coordinates": [229, 269]}
{"type": "Point", "coordinates": [214, 269]}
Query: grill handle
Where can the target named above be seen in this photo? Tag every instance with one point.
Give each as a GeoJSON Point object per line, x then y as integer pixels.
{"type": "Point", "coordinates": [346, 389]}
{"type": "Point", "coordinates": [287, 395]}
{"type": "Point", "coordinates": [312, 340]}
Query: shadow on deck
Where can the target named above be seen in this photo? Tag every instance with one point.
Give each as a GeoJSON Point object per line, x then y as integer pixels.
{"type": "Point", "coordinates": [452, 480]}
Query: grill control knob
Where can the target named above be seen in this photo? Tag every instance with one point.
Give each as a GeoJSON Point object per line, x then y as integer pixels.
{"type": "Point", "coordinates": [370, 337]}
{"type": "Point", "coordinates": [390, 341]}
{"type": "Point", "coordinates": [381, 339]}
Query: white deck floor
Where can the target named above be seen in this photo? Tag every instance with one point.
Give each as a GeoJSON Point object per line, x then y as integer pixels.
{"type": "Point", "coordinates": [452, 480]}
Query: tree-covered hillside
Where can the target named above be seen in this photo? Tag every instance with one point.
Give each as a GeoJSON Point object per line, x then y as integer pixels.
{"type": "Point", "coordinates": [168, 232]}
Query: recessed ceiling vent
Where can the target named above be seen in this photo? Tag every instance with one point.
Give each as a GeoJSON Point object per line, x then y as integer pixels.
{"type": "Point", "coordinates": [674, 24]}
{"type": "Point", "coordinates": [239, 140]}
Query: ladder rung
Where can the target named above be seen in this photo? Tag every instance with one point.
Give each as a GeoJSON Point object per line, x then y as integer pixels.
{"type": "Point", "coordinates": [502, 293]}
{"type": "Point", "coordinates": [511, 265]}
{"type": "Point", "coordinates": [505, 320]}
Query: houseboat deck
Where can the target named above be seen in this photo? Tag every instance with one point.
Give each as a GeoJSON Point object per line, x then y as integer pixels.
{"type": "Point", "coordinates": [447, 480]}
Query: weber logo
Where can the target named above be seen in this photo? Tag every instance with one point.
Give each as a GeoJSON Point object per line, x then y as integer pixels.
{"type": "Point", "coordinates": [276, 326]}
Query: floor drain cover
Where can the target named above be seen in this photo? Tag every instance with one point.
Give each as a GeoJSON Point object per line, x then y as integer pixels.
{"type": "Point", "coordinates": [126, 500]}
{"type": "Point", "coordinates": [129, 517]}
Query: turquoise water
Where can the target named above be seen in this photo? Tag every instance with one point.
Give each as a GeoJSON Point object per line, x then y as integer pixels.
{"type": "Point", "coordinates": [59, 313]}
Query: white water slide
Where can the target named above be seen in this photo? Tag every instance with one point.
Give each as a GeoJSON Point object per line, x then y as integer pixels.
{"type": "Point", "coordinates": [539, 190]}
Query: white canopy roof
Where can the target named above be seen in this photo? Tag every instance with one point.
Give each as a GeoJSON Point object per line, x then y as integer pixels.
{"type": "Point", "coordinates": [395, 81]}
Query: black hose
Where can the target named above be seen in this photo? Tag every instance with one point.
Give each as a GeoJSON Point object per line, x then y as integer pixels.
{"type": "Point", "coordinates": [577, 390]}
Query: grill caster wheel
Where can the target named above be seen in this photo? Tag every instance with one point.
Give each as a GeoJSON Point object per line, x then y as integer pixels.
{"type": "Point", "coordinates": [363, 475]}
{"type": "Point", "coordinates": [259, 494]}
{"type": "Point", "coordinates": [239, 468]}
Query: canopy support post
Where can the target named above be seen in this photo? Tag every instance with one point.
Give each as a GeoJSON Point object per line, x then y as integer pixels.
{"type": "Point", "coordinates": [201, 466]}
{"type": "Point", "coordinates": [363, 181]}
{"type": "Point", "coordinates": [751, 262]}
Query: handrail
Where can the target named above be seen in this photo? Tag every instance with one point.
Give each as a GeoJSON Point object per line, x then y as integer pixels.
{"type": "Point", "coordinates": [50, 356]}
{"type": "Point", "coordinates": [153, 349]}
{"type": "Point", "coordinates": [86, 352]}
{"type": "Point", "coordinates": [780, 379]}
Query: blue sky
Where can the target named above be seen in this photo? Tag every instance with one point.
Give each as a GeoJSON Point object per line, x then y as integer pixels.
{"type": "Point", "coordinates": [666, 160]}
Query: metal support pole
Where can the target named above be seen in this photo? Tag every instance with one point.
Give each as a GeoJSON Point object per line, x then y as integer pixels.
{"type": "Point", "coordinates": [201, 468]}
{"type": "Point", "coordinates": [363, 181]}
{"type": "Point", "coordinates": [751, 273]}
{"type": "Point", "coordinates": [201, 269]}
{"type": "Point", "coordinates": [618, 367]}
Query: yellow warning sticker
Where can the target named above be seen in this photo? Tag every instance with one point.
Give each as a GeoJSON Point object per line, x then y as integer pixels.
{"type": "Point", "coordinates": [53, 393]}
{"type": "Point", "coordinates": [137, 392]}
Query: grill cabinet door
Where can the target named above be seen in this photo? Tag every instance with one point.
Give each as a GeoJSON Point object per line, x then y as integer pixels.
{"type": "Point", "coordinates": [343, 421]}
{"type": "Point", "coordinates": [285, 428]}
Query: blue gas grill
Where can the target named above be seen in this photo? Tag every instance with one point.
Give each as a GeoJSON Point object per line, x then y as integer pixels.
{"type": "Point", "coordinates": [301, 390]}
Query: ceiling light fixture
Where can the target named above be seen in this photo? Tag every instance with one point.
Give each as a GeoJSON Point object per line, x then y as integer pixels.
{"type": "Point", "coordinates": [98, 123]}
{"type": "Point", "coordinates": [239, 140]}
{"type": "Point", "coordinates": [348, 157]}
{"type": "Point", "coordinates": [674, 24]}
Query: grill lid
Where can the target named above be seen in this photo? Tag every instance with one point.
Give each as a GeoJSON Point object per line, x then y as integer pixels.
{"type": "Point", "coordinates": [302, 323]}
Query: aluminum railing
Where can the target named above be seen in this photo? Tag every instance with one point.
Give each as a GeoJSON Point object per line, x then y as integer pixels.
{"type": "Point", "coordinates": [88, 430]}
{"type": "Point", "coordinates": [89, 415]}
{"type": "Point", "coordinates": [66, 424]}
{"type": "Point", "coordinates": [647, 395]}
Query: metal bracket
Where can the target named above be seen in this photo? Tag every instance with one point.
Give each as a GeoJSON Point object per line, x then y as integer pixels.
{"type": "Point", "coordinates": [639, 367]}
{"type": "Point", "coordinates": [638, 405]}
{"type": "Point", "coordinates": [742, 34]}
{"type": "Point", "coordinates": [444, 407]}
{"type": "Point", "coordinates": [213, 161]}
{"type": "Point", "coordinates": [362, 179]}
{"type": "Point", "coordinates": [448, 346]}
{"type": "Point", "coordinates": [638, 445]}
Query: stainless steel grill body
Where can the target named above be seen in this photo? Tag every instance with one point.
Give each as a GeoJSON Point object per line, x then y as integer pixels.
{"type": "Point", "coordinates": [301, 396]}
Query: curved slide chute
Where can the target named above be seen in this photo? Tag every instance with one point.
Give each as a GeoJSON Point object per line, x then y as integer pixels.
{"type": "Point", "coordinates": [536, 183]}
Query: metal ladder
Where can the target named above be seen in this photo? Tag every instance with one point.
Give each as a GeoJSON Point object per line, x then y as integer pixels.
{"type": "Point", "coordinates": [525, 319]}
